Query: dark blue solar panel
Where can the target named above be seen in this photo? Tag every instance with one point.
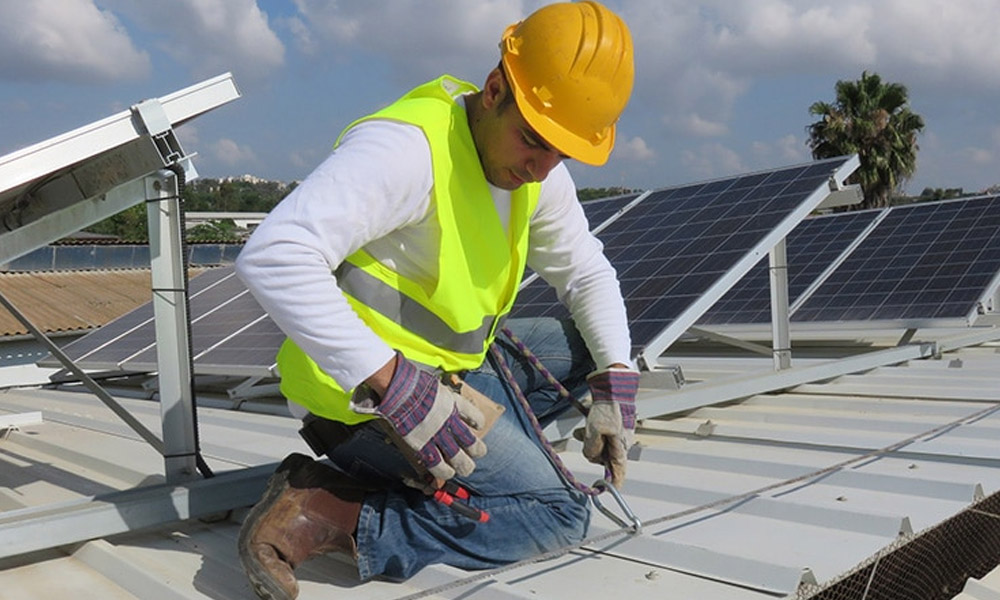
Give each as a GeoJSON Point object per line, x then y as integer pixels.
{"type": "Point", "coordinates": [921, 263]}
{"type": "Point", "coordinates": [134, 331]}
{"type": "Point", "coordinates": [676, 243]}
{"type": "Point", "coordinates": [811, 248]}
{"type": "Point", "coordinates": [254, 346]}
{"type": "Point", "coordinates": [599, 211]}
{"type": "Point", "coordinates": [216, 315]}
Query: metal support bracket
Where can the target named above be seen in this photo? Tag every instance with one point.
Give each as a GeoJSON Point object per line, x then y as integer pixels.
{"type": "Point", "coordinates": [171, 318]}
{"type": "Point", "coordinates": [780, 326]}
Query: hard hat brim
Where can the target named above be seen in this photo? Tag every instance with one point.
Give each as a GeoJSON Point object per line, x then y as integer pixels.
{"type": "Point", "coordinates": [563, 140]}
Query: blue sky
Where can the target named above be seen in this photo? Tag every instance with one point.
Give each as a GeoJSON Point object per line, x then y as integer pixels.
{"type": "Point", "coordinates": [723, 86]}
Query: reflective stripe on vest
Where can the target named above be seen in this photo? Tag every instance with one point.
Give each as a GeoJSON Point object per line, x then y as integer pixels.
{"type": "Point", "coordinates": [397, 306]}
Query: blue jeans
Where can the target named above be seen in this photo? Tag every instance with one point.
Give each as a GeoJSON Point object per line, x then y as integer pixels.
{"type": "Point", "coordinates": [531, 508]}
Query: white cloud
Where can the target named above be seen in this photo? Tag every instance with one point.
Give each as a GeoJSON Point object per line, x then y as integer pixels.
{"type": "Point", "coordinates": [231, 153]}
{"type": "Point", "coordinates": [769, 34]}
{"type": "Point", "coordinates": [421, 39]}
{"type": "Point", "coordinates": [696, 61]}
{"type": "Point", "coordinates": [188, 136]}
{"type": "Point", "coordinates": [302, 34]}
{"type": "Point", "coordinates": [66, 40]}
{"type": "Point", "coordinates": [305, 160]}
{"type": "Point", "coordinates": [935, 42]}
{"type": "Point", "coordinates": [633, 149]}
{"type": "Point", "coordinates": [979, 156]}
{"type": "Point", "coordinates": [693, 124]}
{"type": "Point", "coordinates": [211, 36]}
{"type": "Point", "coordinates": [713, 160]}
{"type": "Point", "coordinates": [788, 149]}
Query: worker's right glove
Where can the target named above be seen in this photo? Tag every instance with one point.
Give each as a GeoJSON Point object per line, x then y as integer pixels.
{"type": "Point", "coordinates": [610, 427]}
{"type": "Point", "coordinates": [433, 420]}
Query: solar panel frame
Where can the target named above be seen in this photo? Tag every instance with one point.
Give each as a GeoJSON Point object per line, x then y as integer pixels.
{"type": "Point", "coordinates": [603, 211]}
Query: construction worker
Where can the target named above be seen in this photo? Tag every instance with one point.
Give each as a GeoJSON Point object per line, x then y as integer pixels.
{"type": "Point", "coordinates": [394, 263]}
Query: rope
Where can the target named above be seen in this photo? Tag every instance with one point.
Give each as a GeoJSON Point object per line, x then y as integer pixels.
{"type": "Point", "coordinates": [563, 392]}
{"type": "Point", "coordinates": [535, 362]}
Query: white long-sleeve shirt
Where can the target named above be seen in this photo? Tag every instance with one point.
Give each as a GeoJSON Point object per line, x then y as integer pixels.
{"type": "Point", "coordinates": [373, 191]}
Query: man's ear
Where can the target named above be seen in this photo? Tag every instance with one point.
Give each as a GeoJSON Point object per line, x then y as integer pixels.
{"type": "Point", "coordinates": [495, 89]}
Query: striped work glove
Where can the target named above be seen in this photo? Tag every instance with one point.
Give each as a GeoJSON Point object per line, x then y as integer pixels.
{"type": "Point", "coordinates": [610, 428]}
{"type": "Point", "coordinates": [431, 419]}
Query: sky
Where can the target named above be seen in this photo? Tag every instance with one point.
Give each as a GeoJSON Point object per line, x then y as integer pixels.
{"type": "Point", "coordinates": [722, 86]}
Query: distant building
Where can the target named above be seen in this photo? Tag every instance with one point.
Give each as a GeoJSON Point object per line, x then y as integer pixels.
{"type": "Point", "coordinates": [243, 220]}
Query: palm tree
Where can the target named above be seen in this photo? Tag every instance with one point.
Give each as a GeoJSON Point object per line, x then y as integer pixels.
{"type": "Point", "coordinates": [869, 118]}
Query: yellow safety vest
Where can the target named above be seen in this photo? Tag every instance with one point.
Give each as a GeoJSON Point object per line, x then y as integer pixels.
{"type": "Point", "coordinates": [447, 323]}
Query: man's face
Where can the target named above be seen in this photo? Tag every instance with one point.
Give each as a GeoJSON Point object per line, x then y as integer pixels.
{"type": "Point", "coordinates": [511, 152]}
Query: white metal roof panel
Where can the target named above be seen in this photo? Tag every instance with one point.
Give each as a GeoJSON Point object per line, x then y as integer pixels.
{"type": "Point", "coordinates": [738, 501]}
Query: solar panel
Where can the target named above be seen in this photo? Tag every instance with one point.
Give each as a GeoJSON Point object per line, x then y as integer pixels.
{"type": "Point", "coordinates": [812, 247]}
{"type": "Point", "coordinates": [923, 265]}
{"type": "Point", "coordinates": [129, 341]}
{"type": "Point", "coordinates": [677, 250]}
{"type": "Point", "coordinates": [251, 351]}
{"type": "Point", "coordinates": [599, 211]}
{"type": "Point", "coordinates": [217, 315]}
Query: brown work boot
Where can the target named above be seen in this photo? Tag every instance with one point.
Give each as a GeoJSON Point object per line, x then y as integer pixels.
{"type": "Point", "coordinates": [308, 509]}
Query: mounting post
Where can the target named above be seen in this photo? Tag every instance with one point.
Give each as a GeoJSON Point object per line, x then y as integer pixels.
{"type": "Point", "coordinates": [781, 346]}
{"type": "Point", "coordinates": [171, 318]}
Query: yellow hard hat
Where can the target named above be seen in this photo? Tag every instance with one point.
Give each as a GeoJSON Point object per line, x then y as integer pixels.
{"type": "Point", "coordinates": [570, 66]}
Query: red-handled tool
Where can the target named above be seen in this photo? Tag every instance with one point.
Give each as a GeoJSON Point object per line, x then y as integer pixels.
{"type": "Point", "coordinates": [454, 496]}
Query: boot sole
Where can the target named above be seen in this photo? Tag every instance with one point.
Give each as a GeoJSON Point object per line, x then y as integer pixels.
{"type": "Point", "coordinates": [263, 584]}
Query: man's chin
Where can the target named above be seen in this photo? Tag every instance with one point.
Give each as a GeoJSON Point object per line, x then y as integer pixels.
{"type": "Point", "coordinates": [509, 183]}
{"type": "Point", "coordinates": [513, 182]}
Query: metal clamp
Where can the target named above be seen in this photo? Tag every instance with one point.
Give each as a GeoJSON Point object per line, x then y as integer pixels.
{"type": "Point", "coordinates": [633, 524]}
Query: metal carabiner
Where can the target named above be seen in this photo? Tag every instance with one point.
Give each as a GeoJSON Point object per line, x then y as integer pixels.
{"type": "Point", "coordinates": [633, 524]}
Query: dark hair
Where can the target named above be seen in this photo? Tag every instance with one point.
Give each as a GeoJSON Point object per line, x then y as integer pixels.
{"type": "Point", "coordinates": [508, 98]}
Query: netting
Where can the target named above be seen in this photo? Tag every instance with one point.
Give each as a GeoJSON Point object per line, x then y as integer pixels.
{"type": "Point", "coordinates": [930, 565]}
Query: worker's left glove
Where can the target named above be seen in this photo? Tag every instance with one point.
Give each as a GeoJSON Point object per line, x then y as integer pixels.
{"type": "Point", "coordinates": [431, 419]}
{"type": "Point", "coordinates": [610, 428]}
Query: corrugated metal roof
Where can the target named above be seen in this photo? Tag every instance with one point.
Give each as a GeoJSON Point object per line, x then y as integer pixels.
{"type": "Point", "coordinates": [65, 301]}
{"type": "Point", "coordinates": [739, 501]}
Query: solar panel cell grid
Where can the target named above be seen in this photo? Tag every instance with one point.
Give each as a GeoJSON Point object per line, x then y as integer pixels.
{"type": "Point", "coordinates": [132, 333]}
{"type": "Point", "coordinates": [599, 211]}
{"type": "Point", "coordinates": [811, 247]}
{"type": "Point", "coordinates": [922, 262]}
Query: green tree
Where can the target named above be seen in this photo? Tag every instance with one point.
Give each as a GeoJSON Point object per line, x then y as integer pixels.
{"type": "Point", "coordinates": [130, 225]}
{"type": "Point", "coordinates": [587, 194]}
{"type": "Point", "coordinates": [214, 231]}
{"type": "Point", "coordinates": [933, 194]}
{"type": "Point", "coordinates": [202, 195]}
{"type": "Point", "coordinates": [872, 119]}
